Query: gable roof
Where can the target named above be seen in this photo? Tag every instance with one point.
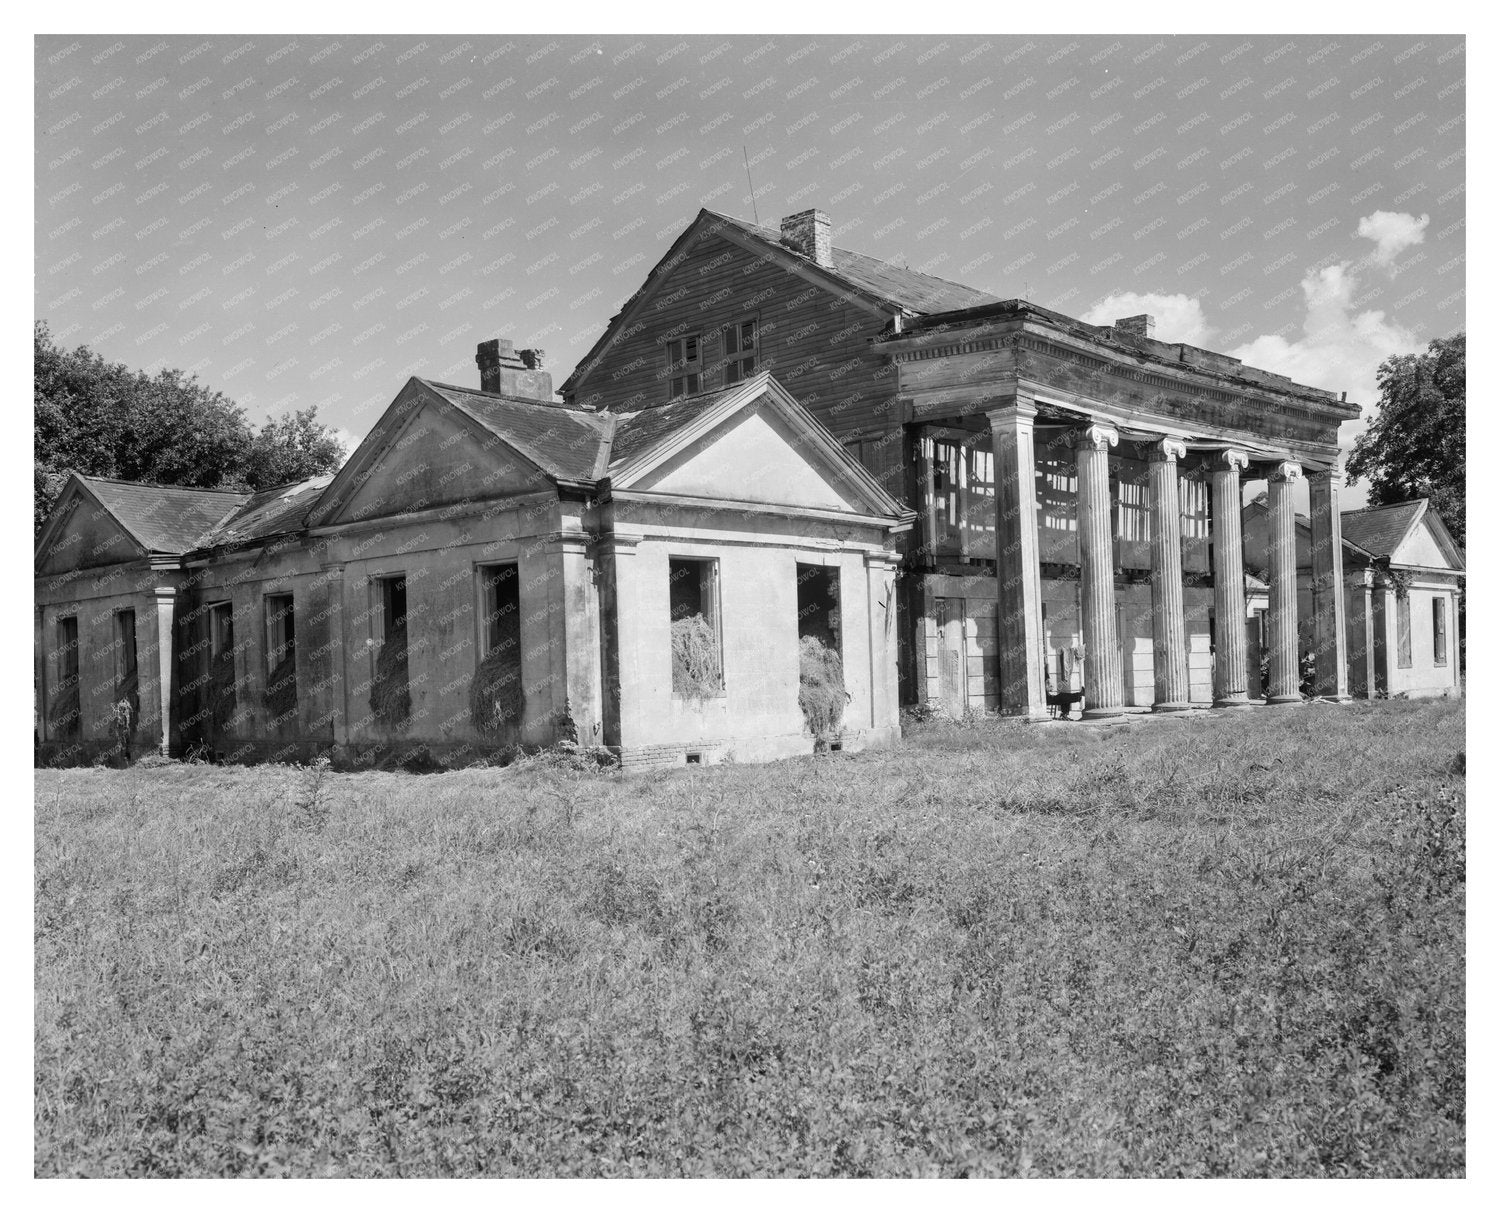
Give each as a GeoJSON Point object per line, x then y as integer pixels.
{"type": "Point", "coordinates": [1382, 529]}
{"type": "Point", "coordinates": [646, 439]}
{"type": "Point", "coordinates": [163, 518]}
{"type": "Point", "coordinates": [564, 442]}
{"type": "Point", "coordinates": [879, 283]}
{"type": "Point", "coordinates": [907, 289]}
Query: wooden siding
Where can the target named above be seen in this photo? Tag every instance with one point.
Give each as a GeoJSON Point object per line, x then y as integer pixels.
{"type": "Point", "coordinates": [815, 342]}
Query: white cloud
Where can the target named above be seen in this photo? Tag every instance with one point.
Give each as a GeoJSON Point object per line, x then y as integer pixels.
{"type": "Point", "coordinates": [1339, 349]}
{"type": "Point", "coordinates": [1393, 232]}
{"type": "Point", "coordinates": [1178, 317]}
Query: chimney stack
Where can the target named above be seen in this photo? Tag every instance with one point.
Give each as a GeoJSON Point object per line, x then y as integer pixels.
{"type": "Point", "coordinates": [1137, 326]}
{"type": "Point", "coordinates": [811, 234]}
{"type": "Point", "coordinates": [505, 371]}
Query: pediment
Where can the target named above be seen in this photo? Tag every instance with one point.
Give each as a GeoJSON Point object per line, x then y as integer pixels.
{"type": "Point", "coordinates": [80, 534]}
{"type": "Point", "coordinates": [423, 454]}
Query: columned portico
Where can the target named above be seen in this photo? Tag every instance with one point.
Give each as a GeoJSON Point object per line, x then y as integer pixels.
{"type": "Point", "coordinates": [1103, 686]}
{"type": "Point", "coordinates": [1285, 678]}
{"type": "Point", "coordinates": [1329, 624]}
{"type": "Point", "coordinates": [1230, 676]}
{"type": "Point", "coordinates": [1013, 433]}
{"type": "Point", "coordinates": [1168, 634]}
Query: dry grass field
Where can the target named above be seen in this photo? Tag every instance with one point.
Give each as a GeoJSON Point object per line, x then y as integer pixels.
{"type": "Point", "coordinates": [1210, 946]}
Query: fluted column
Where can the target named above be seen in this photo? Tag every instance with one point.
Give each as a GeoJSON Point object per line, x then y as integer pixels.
{"type": "Point", "coordinates": [1017, 571]}
{"type": "Point", "coordinates": [1103, 685]}
{"type": "Point", "coordinates": [1230, 690]}
{"type": "Point", "coordinates": [1168, 631]}
{"type": "Point", "coordinates": [1282, 557]}
{"type": "Point", "coordinates": [1329, 621]}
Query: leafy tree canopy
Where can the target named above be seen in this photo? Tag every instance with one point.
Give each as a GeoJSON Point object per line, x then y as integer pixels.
{"type": "Point", "coordinates": [103, 419]}
{"type": "Point", "coordinates": [1415, 447]}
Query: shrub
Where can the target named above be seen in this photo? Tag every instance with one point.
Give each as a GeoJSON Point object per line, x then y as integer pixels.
{"type": "Point", "coordinates": [821, 695]}
{"type": "Point", "coordinates": [695, 658]}
{"type": "Point", "coordinates": [390, 696]}
{"type": "Point", "coordinates": [496, 698]}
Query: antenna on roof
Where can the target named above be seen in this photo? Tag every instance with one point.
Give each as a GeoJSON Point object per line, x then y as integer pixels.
{"type": "Point", "coordinates": [753, 207]}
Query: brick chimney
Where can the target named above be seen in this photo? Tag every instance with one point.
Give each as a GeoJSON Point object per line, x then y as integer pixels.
{"type": "Point", "coordinates": [811, 234]}
{"type": "Point", "coordinates": [509, 372]}
{"type": "Point", "coordinates": [1137, 326]}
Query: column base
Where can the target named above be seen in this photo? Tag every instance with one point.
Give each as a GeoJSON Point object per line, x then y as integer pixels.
{"type": "Point", "coordinates": [1282, 700]}
{"type": "Point", "coordinates": [1239, 700]}
{"type": "Point", "coordinates": [1102, 713]}
{"type": "Point", "coordinates": [1175, 706]}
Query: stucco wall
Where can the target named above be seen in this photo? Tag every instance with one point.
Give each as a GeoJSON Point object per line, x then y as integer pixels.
{"type": "Point", "coordinates": [757, 717]}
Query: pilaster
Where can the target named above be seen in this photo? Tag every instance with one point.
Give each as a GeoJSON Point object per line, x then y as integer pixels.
{"type": "Point", "coordinates": [1329, 624]}
{"type": "Point", "coordinates": [1018, 573]}
{"type": "Point", "coordinates": [166, 649]}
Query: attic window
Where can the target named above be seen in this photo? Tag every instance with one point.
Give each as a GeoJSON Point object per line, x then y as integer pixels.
{"type": "Point", "coordinates": [685, 365]}
{"type": "Point", "coordinates": [739, 352]}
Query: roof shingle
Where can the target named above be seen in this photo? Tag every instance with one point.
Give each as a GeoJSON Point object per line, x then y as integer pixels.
{"type": "Point", "coordinates": [164, 518]}
{"type": "Point", "coordinates": [1380, 529]}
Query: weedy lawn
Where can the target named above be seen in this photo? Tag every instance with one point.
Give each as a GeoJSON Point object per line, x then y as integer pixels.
{"type": "Point", "coordinates": [1213, 946]}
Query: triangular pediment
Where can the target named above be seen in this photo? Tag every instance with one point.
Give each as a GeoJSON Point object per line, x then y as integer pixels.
{"type": "Point", "coordinates": [81, 533]}
{"type": "Point", "coordinates": [423, 454]}
{"type": "Point", "coordinates": [1427, 545]}
{"type": "Point", "coordinates": [756, 446]}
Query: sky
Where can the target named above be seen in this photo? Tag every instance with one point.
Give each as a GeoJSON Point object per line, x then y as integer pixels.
{"type": "Point", "coordinates": [309, 221]}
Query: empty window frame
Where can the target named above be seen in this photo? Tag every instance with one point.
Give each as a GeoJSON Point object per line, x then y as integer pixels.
{"type": "Point", "coordinates": [390, 690]}
{"type": "Point", "coordinates": [127, 677]}
{"type": "Point", "coordinates": [684, 365]}
{"type": "Point", "coordinates": [220, 630]}
{"type": "Point", "coordinates": [740, 351]}
{"type": "Point", "coordinates": [1403, 632]}
{"type": "Point", "coordinates": [281, 657]}
{"type": "Point", "coordinates": [819, 613]}
{"type": "Point", "coordinates": [1439, 632]}
{"type": "Point", "coordinates": [697, 643]}
{"type": "Point", "coordinates": [65, 713]}
{"type": "Point", "coordinates": [497, 699]}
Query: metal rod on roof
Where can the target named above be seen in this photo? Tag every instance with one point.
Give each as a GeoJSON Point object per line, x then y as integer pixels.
{"type": "Point", "coordinates": [744, 148]}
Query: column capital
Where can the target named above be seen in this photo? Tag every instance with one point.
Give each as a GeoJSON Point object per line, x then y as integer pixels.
{"type": "Point", "coordinates": [1285, 471]}
{"type": "Point", "coordinates": [1017, 408]}
{"type": "Point", "coordinates": [165, 593]}
{"type": "Point", "coordinates": [1096, 436]}
{"type": "Point", "coordinates": [1321, 476]}
{"type": "Point", "coordinates": [1232, 457]}
{"type": "Point", "coordinates": [1168, 450]}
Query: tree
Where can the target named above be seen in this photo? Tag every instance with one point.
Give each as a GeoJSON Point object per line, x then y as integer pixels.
{"type": "Point", "coordinates": [292, 447]}
{"type": "Point", "coordinates": [103, 419]}
{"type": "Point", "coordinates": [1415, 446]}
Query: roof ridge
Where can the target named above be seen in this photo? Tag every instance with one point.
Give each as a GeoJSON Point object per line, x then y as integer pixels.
{"type": "Point", "coordinates": [474, 391]}
{"type": "Point", "coordinates": [151, 484]}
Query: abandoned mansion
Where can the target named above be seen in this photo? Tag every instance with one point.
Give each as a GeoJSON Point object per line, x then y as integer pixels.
{"type": "Point", "coordinates": [777, 447]}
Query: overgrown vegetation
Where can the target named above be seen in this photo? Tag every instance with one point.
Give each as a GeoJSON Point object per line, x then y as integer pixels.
{"type": "Point", "coordinates": [390, 691]}
{"type": "Point", "coordinates": [281, 692]}
{"type": "Point", "coordinates": [497, 699]}
{"type": "Point", "coordinates": [695, 658]}
{"type": "Point", "coordinates": [820, 691]}
{"type": "Point", "coordinates": [1229, 945]}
